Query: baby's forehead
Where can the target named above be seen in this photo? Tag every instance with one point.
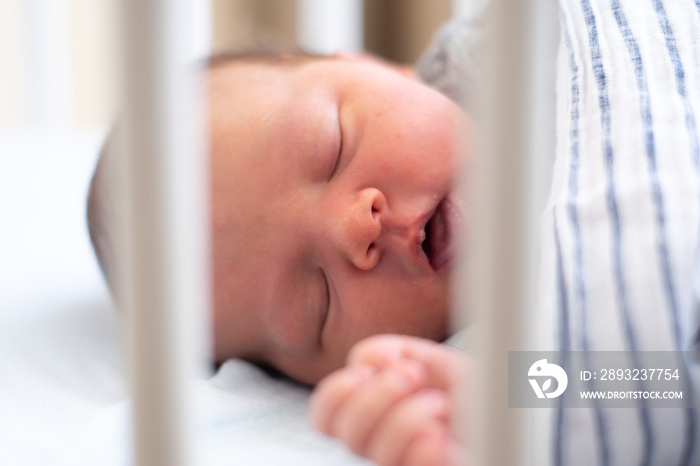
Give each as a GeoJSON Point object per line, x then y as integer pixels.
{"type": "Point", "coordinates": [239, 88]}
{"type": "Point", "coordinates": [255, 123]}
{"type": "Point", "coordinates": [256, 103]}
{"type": "Point", "coordinates": [239, 75]}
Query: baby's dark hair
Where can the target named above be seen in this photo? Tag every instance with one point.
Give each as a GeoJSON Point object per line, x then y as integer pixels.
{"type": "Point", "coordinates": [101, 211]}
{"type": "Point", "coordinates": [101, 203]}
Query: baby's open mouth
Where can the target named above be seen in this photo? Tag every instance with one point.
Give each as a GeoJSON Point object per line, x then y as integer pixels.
{"type": "Point", "coordinates": [441, 234]}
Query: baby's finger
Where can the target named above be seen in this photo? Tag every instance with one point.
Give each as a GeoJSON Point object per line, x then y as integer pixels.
{"type": "Point", "coordinates": [380, 350]}
{"type": "Point", "coordinates": [363, 409]}
{"type": "Point", "coordinates": [332, 391]}
{"type": "Point", "coordinates": [432, 446]}
{"type": "Point", "coordinates": [425, 413]}
{"type": "Point", "coordinates": [385, 350]}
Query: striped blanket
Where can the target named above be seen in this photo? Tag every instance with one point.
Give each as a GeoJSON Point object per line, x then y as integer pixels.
{"type": "Point", "coordinates": [620, 267]}
{"type": "Point", "coordinates": [624, 212]}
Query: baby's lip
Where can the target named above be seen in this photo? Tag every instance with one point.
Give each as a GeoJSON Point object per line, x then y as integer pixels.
{"type": "Point", "coordinates": [440, 234]}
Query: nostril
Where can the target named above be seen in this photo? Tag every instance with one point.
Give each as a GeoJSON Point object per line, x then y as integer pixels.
{"type": "Point", "coordinates": [378, 201]}
{"type": "Point", "coordinates": [371, 258]}
{"type": "Point", "coordinates": [375, 214]}
{"type": "Point", "coordinates": [425, 240]}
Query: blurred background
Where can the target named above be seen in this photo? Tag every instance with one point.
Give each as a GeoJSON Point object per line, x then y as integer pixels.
{"type": "Point", "coordinates": [58, 56]}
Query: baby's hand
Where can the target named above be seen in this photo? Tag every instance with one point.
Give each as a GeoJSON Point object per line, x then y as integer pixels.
{"type": "Point", "coordinates": [391, 403]}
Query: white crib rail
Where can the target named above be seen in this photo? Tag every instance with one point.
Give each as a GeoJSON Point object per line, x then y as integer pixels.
{"type": "Point", "coordinates": [516, 149]}
{"type": "Point", "coordinates": [167, 267]}
{"type": "Point", "coordinates": [327, 26]}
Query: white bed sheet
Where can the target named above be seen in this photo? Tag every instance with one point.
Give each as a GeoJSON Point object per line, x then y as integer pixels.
{"type": "Point", "coordinates": [63, 393]}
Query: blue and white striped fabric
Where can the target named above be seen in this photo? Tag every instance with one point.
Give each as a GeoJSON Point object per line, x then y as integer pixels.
{"type": "Point", "coordinates": [620, 232]}
{"type": "Point", "coordinates": [624, 213]}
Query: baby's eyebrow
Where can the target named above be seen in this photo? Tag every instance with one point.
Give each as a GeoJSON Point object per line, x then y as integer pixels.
{"type": "Point", "coordinates": [339, 149]}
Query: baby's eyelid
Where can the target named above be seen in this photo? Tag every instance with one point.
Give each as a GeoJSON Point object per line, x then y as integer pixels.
{"type": "Point", "coordinates": [326, 309]}
{"type": "Point", "coordinates": [339, 153]}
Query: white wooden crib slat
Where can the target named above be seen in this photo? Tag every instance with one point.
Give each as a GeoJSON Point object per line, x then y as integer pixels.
{"type": "Point", "coordinates": [329, 26]}
{"type": "Point", "coordinates": [516, 119]}
{"type": "Point", "coordinates": [167, 270]}
{"type": "Point", "coordinates": [48, 70]}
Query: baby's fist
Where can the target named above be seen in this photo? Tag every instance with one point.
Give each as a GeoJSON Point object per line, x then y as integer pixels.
{"type": "Point", "coordinates": [391, 403]}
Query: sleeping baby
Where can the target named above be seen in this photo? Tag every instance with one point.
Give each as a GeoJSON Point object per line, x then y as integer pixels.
{"type": "Point", "coordinates": [335, 216]}
{"type": "Point", "coordinates": [335, 213]}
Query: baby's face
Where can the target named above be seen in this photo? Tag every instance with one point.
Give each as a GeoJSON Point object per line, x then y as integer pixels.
{"type": "Point", "coordinates": [334, 209]}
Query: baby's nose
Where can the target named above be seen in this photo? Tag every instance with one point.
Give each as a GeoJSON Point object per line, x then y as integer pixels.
{"type": "Point", "coordinates": [358, 226]}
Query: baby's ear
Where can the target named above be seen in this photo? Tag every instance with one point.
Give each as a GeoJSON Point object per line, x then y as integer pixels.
{"type": "Point", "coordinates": [404, 70]}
